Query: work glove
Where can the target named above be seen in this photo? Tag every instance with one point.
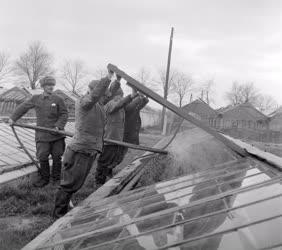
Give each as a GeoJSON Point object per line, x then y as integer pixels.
{"type": "Point", "coordinates": [11, 122]}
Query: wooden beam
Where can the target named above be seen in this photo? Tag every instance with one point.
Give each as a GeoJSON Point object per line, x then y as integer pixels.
{"type": "Point", "coordinates": [146, 91]}
{"type": "Point", "coordinates": [120, 143]}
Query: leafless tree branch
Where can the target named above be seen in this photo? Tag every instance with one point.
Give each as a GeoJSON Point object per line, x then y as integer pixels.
{"type": "Point", "coordinates": [242, 93]}
{"type": "Point", "coordinates": [72, 73]}
{"type": "Point", "coordinates": [35, 63]}
{"type": "Point", "coordinates": [181, 85]}
{"type": "Point", "coordinates": [266, 104]}
{"type": "Point", "coordinates": [5, 66]}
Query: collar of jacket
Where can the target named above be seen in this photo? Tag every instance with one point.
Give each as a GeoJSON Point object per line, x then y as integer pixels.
{"type": "Point", "coordinates": [44, 95]}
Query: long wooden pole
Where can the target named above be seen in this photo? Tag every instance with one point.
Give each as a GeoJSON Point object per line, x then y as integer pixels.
{"type": "Point", "coordinates": [146, 91]}
{"type": "Point", "coordinates": [163, 121]}
{"type": "Point", "coordinates": [69, 134]}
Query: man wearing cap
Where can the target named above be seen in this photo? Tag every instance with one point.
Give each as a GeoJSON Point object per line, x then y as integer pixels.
{"type": "Point", "coordinates": [114, 130]}
{"type": "Point", "coordinates": [132, 122]}
{"type": "Point", "coordinates": [51, 112]}
{"type": "Point", "coordinates": [90, 120]}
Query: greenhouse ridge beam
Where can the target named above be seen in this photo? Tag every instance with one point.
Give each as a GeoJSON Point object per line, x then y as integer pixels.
{"type": "Point", "coordinates": [140, 87]}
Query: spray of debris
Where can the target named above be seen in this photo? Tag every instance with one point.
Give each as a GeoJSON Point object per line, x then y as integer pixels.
{"type": "Point", "coordinates": [191, 151]}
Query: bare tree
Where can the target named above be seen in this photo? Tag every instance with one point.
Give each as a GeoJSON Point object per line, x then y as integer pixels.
{"type": "Point", "coordinates": [249, 93]}
{"type": "Point", "coordinates": [242, 93]}
{"type": "Point", "coordinates": [162, 79]}
{"type": "Point", "coordinates": [266, 104]}
{"type": "Point", "coordinates": [234, 96]}
{"type": "Point", "coordinates": [144, 76]}
{"type": "Point", "coordinates": [35, 63]}
{"type": "Point", "coordinates": [73, 72]}
{"type": "Point", "coordinates": [5, 66]}
{"type": "Point", "coordinates": [181, 86]}
{"type": "Point", "coordinates": [161, 84]}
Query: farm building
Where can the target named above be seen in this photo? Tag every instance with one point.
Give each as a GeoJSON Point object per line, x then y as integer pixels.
{"type": "Point", "coordinates": [244, 115]}
{"type": "Point", "coordinates": [200, 110]}
{"type": "Point", "coordinates": [275, 123]}
{"type": "Point", "coordinates": [11, 98]}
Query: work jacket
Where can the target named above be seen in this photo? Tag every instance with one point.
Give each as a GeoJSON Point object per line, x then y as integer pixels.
{"type": "Point", "coordinates": [115, 117]}
{"type": "Point", "coordinates": [50, 112]}
{"type": "Point", "coordinates": [90, 120]}
{"type": "Point", "coordinates": [132, 123]}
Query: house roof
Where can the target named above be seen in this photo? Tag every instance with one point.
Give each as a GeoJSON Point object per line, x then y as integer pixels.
{"type": "Point", "coordinates": [68, 94]}
{"type": "Point", "coordinates": [200, 107]}
{"type": "Point", "coordinates": [244, 111]}
{"type": "Point", "coordinates": [21, 93]}
{"type": "Point", "coordinates": [276, 112]}
{"type": "Point", "coordinates": [2, 90]}
{"type": "Point", "coordinates": [15, 94]}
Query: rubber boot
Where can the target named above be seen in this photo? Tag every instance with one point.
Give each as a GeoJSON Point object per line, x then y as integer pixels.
{"type": "Point", "coordinates": [44, 174]}
{"type": "Point", "coordinates": [62, 201]}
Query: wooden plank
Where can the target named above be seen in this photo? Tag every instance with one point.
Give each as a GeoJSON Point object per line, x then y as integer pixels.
{"type": "Point", "coordinates": [121, 143]}
{"type": "Point", "coordinates": [146, 91]}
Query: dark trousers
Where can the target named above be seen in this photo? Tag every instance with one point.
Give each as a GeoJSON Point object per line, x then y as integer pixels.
{"type": "Point", "coordinates": [76, 167]}
{"type": "Point", "coordinates": [56, 150]}
{"type": "Point", "coordinates": [111, 156]}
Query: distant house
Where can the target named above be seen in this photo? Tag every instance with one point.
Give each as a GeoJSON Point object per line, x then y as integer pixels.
{"type": "Point", "coordinates": [11, 98]}
{"type": "Point", "coordinates": [200, 110]}
{"type": "Point", "coordinates": [244, 115]}
{"type": "Point", "coordinates": [275, 123]}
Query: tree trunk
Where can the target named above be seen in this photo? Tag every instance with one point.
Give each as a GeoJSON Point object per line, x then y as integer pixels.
{"type": "Point", "coordinates": [32, 85]}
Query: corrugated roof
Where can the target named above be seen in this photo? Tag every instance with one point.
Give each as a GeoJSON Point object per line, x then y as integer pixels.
{"type": "Point", "coordinates": [15, 94]}
{"type": "Point", "coordinates": [69, 94]}
{"type": "Point", "coordinates": [21, 94]}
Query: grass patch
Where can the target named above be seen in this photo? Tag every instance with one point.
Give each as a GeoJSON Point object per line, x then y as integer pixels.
{"type": "Point", "coordinates": [15, 238]}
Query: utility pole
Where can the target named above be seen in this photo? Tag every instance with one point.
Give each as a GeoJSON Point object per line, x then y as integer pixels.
{"type": "Point", "coordinates": [164, 120]}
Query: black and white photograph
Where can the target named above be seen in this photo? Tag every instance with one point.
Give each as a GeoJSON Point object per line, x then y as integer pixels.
{"type": "Point", "coordinates": [141, 125]}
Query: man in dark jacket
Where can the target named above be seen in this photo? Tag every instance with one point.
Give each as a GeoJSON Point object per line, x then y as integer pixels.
{"type": "Point", "coordinates": [132, 123]}
{"type": "Point", "coordinates": [90, 120]}
{"type": "Point", "coordinates": [114, 130]}
{"type": "Point", "coordinates": [51, 112]}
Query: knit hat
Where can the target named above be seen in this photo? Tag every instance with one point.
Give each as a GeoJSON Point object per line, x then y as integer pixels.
{"type": "Point", "coordinates": [47, 80]}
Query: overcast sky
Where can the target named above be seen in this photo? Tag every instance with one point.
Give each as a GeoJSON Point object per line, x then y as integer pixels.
{"type": "Point", "coordinates": [223, 39]}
